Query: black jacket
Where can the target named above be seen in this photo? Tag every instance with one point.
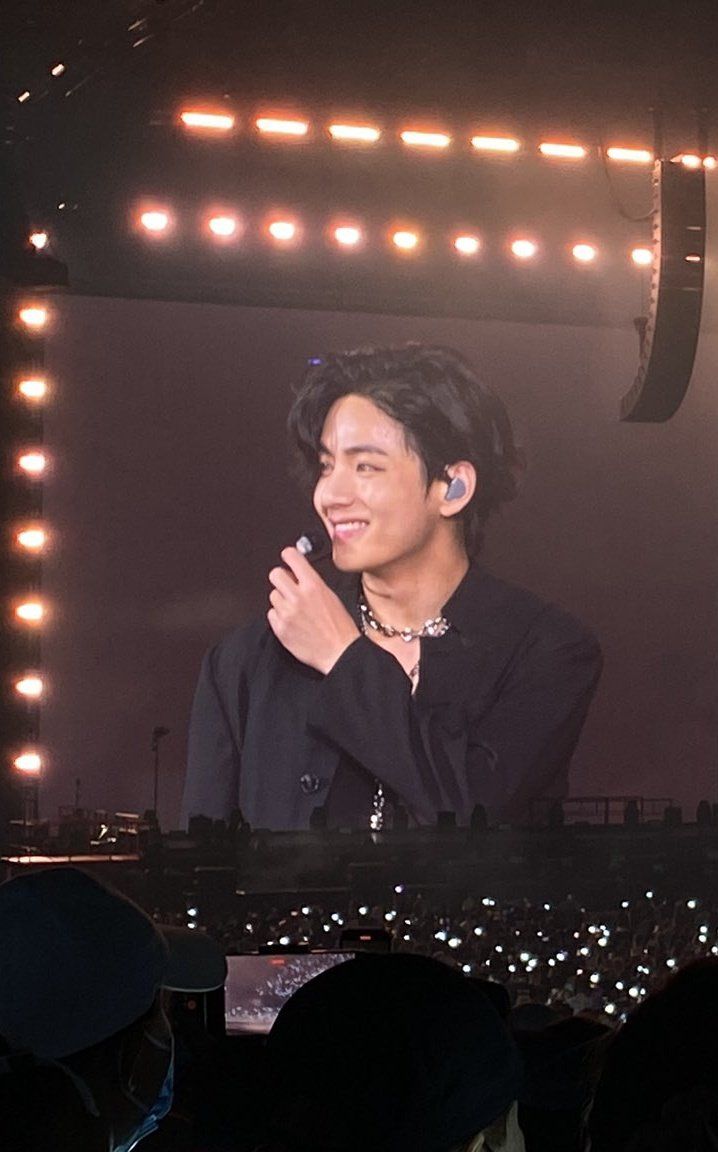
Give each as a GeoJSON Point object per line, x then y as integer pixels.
{"type": "Point", "coordinates": [499, 708]}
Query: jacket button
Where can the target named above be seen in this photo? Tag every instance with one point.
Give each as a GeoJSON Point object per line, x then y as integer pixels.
{"type": "Point", "coordinates": [309, 784]}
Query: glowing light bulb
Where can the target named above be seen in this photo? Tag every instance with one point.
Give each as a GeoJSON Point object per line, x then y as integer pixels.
{"type": "Point", "coordinates": [34, 389]}
{"type": "Point", "coordinates": [155, 221]}
{"type": "Point", "coordinates": [467, 245]}
{"type": "Point", "coordinates": [495, 144]}
{"type": "Point", "coordinates": [272, 127]}
{"type": "Point", "coordinates": [57, 70]}
{"type": "Point", "coordinates": [39, 240]}
{"type": "Point", "coordinates": [23, 97]}
{"type": "Point", "coordinates": [584, 253]}
{"type": "Point", "coordinates": [630, 155]}
{"type": "Point", "coordinates": [282, 230]}
{"type": "Point", "coordinates": [426, 139]}
{"type": "Point", "coordinates": [643, 257]}
{"type": "Point", "coordinates": [358, 133]}
{"type": "Point", "coordinates": [34, 539]}
{"type": "Point", "coordinates": [524, 249]}
{"type": "Point", "coordinates": [406, 241]}
{"type": "Point", "coordinates": [34, 463]}
{"type": "Point", "coordinates": [563, 151]}
{"type": "Point", "coordinates": [348, 236]}
{"type": "Point", "coordinates": [710, 162]}
{"type": "Point", "coordinates": [31, 687]}
{"type": "Point", "coordinates": [28, 762]}
{"type": "Point", "coordinates": [223, 226]}
{"type": "Point", "coordinates": [690, 160]}
{"type": "Point", "coordinates": [33, 316]}
{"type": "Point", "coordinates": [30, 611]}
{"type": "Point", "coordinates": [211, 121]}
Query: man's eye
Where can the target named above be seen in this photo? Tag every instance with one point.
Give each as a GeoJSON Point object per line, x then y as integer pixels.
{"type": "Point", "coordinates": [365, 467]}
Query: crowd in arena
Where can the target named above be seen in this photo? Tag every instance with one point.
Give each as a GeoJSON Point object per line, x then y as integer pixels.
{"type": "Point", "coordinates": [476, 1024]}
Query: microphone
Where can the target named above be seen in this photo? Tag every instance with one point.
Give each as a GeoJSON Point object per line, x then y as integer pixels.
{"type": "Point", "coordinates": [314, 546]}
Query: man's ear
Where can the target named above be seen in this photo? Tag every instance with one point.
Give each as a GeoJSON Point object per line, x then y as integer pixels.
{"type": "Point", "coordinates": [459, 486]}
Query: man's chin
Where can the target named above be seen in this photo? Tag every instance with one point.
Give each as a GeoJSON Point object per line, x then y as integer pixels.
{"type": "Point", "coordinates": [344, 563]}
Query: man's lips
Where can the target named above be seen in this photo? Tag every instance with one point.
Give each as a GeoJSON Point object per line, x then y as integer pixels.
{"type": "Point", "coordinates": [342, 530]}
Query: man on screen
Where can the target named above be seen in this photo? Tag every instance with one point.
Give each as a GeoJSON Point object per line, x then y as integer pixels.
{"type": "Point", "coordinates": [422, 684]}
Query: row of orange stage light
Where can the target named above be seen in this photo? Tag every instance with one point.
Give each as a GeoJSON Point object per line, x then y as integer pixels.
{"type": "Point", "coordinates": [284, 232]}
{"type": "Point", "coordinates": [32, 463]}
{"type": "Point", "coordinates": [220, 123]}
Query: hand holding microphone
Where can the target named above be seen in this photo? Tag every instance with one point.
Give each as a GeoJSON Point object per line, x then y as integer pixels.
{"type": "Point", "coordinates": [305, 615]}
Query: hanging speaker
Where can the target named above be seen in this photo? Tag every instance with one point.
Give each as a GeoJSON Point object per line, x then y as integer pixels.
{"type": "Point", "coordinates": [669, 334]}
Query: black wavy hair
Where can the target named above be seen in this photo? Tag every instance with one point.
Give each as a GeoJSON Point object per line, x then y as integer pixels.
{"type": "Point", "coordinates": [447, 412]}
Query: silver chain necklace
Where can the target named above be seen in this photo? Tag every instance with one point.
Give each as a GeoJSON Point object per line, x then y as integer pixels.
{"type": "Point", "coordinates": [437, 626]}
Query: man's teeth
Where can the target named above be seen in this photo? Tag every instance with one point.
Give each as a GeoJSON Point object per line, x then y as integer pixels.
{"type": "Point", "coordinates": [349, 525]}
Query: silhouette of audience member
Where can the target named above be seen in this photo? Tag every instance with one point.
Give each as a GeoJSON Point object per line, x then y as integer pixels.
{"type": "Point", "coordinates": [658, 1089]}
{"type": "Point", "coordinates": [86, 1049]}
{"type": "Point", "coordinates": [392, 1053]}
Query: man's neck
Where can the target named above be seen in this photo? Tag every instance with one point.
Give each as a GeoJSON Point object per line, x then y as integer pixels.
{"type": "Point", "coordinates": [409, 594]}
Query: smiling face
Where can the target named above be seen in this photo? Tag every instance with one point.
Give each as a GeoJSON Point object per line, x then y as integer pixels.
{"type": "Point", "coordinates": [371, 494]}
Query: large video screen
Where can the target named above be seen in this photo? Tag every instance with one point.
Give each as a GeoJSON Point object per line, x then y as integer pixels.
{"type": "Point", "coordinates": [171, 498]}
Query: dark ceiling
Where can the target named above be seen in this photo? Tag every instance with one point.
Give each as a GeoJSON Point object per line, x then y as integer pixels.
{"type": "Point", "coordinates": [103, 134]}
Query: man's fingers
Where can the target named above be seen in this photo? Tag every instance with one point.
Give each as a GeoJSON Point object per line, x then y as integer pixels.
{"type": "Point", "coordinates": [298, 564]}
{"type": "Point", "coordinates": [283, 581]}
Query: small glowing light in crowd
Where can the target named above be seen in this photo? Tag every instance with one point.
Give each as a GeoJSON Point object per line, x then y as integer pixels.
{"type": "Point", "coordinates": [426, 139]}
{"type": "Point", "coordinates": [359, 133]}
{"type": "Point", "coordinates": [693, 258]}
{"type": "Point", "coordinates": [692, 904]}
{"type": "Point", "coordinates": [498, 948]}
{"type": "Point", "coordinates": [630, 155]}
{"type": "Point", "coordinates": [552, 963]}
{"type": "Point", "coordinates": [643, 257]}
{"type": "Point", "coordinates": [714, 950]}
{"type": "Point", "coordinates": [495, 144]}
{"type": "Point", "coordinates": [155, 221]}
{"type": "Point", "coordinates": [563, 151]}
{"type": "Point", "coordinates": [690, 160]}
{"type": "Point", "coordinates": [193, 912]}
{"type": "Point", "coordinates": [649, 894]}
{"type": "Point", "coordinates": [363, 910]}
{"type": "Point", "coordinates": [336, 917]}
{"type": "Point", "coordinates": [562, 956]}
{"type": "Point", "coordinates": [349, 237]}
{"type": "Point", "coordinates": [57, 70]}
{"type": "Point", "coordinates": [398, 888]}
{"type": "Point", "coordinates": [327, 927]}
{"type": "Point", "coordinates": [33, 316]}
{"type": "Point", "coordinates": [31, 611]}
{"type": "Point", "coordinates": [215, 122]}
{"type": "Point", "coordinates": [466, 969]}
{"type": "Point", "coordinates": [30, 686]}
{"type": "Point", "coordinates": [610, 1009]}
{"type": "Point", "coordinates": [34, 389]}
{"type": "Point", "coordinates": [524, 249]}
{"type": "Point", "coordinates": [23, 97]}
{"type": "Point", "coordinates": [488, 902]}
{"type": "Point", "coordinates": [547, 907]}
{"type": "Point", "coordinates": [602, 941]}
{"type": "Point", "coordinates": [405, 240]}
{"type": "Point", "coordinates": [478, 931]}
{"type": "Point", "coordinates": [710, 162]}
{"type": "Point", "coordinates": [34, 463]}
{"type": "Point", "coordinates": [223, 226]}
{"type": "Point", "coordinates": [467, 245]}
{"type": "Point", "coordinates": [595, 978]}
{"type": "Point", "coordinates": [454, 942]}
{"type": "Point", "coordinates": [584, 951]}
{"type": "Point", "coordinates": [702, 938]}
{"type": "Point", "coordinates": [634, 992]}
{"type": "Point", "coordinates": [524, 957]}
{"type": "Point", "coordinates": [390, 915]}
{"type": "Point", "coordinates": [282, 127]}
{"type": "Point", "coordinates": [624, 904]}
{"type": "Point", "coordinates": [406, 936]}
{"type": "Point", "coordinates": [284, 941]}
{"type": "Point", "coordinates": [306, 910]}
{"type": "Point", "coordinates": [34, 539]}
{"type": "Point", "coordinates": [282, 230]}
{"type": "Point", "coordinates": [191, 923]}
{"type": "Point", "coordinates": [584, 253]}
{"type": "Point", "coordinates": [441, 935]}
{"type": "Point", "coordinates": [620, 985]}
{"type": "Point", "coordinates": [30, 762]}
{"type": "Point", "coordinates": [39, 240]}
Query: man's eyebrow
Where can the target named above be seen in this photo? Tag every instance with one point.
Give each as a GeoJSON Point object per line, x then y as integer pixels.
{"type": "Point", "coordinates": [355, 450]}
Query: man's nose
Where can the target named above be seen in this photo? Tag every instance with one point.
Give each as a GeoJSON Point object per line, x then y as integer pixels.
{"type": "Point", "coordinates": [338, 487]}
